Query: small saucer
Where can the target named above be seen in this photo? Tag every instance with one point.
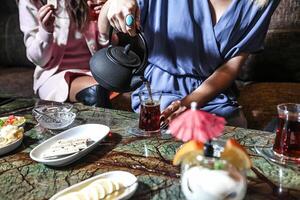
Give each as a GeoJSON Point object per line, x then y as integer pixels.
{"type": "Point", "coordinates": [141, 133]}
{"type": "Point", "coordinates": [268, 153]}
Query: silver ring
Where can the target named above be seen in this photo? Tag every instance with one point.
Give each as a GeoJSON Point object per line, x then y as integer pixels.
{"type": "Point", "coordinates": [129, 20]}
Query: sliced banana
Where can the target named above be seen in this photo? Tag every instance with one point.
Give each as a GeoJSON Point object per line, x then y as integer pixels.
{"type": "Point", "coordinates": [107, 184]}
{"type": "Point", "coordinates": [99, 188]}
{"type": "Point", "coordinates": [86, 194]}
{"type": "Point", "coordinates": [117, 185]}
{"type": "Point", "coordinates": [90, 193]}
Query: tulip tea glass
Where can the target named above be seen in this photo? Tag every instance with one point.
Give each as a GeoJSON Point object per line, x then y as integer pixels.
{"type": "Point", "coordinates": [287, 140]}
{"type": "Point", "coordinates": [149, 120]}
{"type": "Point", "coordinates": [210, 178]}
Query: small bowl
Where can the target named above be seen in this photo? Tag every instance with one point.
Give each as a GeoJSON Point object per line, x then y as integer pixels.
{"type": "Point", "coordinates": [49, 106]}
{"type": "Point", "coordinates": [54, 117]}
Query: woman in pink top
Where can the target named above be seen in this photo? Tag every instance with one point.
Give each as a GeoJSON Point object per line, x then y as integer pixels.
{"type": "Point", "coordinates": [60, 38]}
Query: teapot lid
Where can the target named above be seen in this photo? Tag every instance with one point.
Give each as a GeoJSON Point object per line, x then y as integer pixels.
{"type": "Point", "coordinates": [123, 56]}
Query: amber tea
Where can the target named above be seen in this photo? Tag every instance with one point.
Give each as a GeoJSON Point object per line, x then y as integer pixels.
{"type": "Point", "coordinates": [287, 141]}
{"type": "Point", "coordinates": [149, 116]}
{"type": "Point", "coordinates": [149, 121]}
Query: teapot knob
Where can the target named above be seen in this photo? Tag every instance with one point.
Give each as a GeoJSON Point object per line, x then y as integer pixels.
{"type": "Point", "coordinates": [126, 49]}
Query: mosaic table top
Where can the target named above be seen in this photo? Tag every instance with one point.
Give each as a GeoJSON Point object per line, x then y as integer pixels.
{"type": "Point", "coordinates": [150, 159]}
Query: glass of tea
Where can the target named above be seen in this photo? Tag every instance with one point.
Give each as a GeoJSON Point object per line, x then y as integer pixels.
{"type": "Point", "coordinates": [149, 120]}
{"type": "Point", "coordinates": [287, 140]}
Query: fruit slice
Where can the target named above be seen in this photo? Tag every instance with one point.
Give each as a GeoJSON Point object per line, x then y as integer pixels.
{"type": "Point", "coordinates": [186, 148]}
{"type": "Point", "coordinates": [235, 154]}
{"type": "Point", "coordinates": [117, 185]}
{"type": "Point", "coordinates": [107, 185]}
{"type": "Point", "coordinates": [90, 193]}
{"type": "Point", "coordinates": [99, 188]}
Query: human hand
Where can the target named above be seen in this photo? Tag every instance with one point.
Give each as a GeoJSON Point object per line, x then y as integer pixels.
{"type": "Point", "coordinates": [46, 17]}
{"type": "Point", "coordinates": [171, 112]}
{"type": "Point", "coordinates": [96, 5]}
{"type": "Point", "coordinates": [124, 16]}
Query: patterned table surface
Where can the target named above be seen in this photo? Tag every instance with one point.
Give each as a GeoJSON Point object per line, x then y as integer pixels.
{"type": "Point", "coordinates": [147, 158]}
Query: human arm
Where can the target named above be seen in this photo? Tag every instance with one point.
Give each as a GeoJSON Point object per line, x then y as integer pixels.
{"type": "Point", "coordinates": [114, 13]}
{"type": "Point", "coordinates": [217, 82]}
{"type": "Point", "coordinates": [103, 25]}
{"type": "Point", "coordinates": [220, 80]}
{"type": "Point", "coordinates": [37, 26]}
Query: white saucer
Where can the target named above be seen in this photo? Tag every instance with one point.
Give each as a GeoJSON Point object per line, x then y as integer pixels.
{"type": "Point", "coordinates": [162, 133]}
{"type": "Point", "coordinates": [268, 153]}
{"type": "Point", "coordinates": [95, 132]}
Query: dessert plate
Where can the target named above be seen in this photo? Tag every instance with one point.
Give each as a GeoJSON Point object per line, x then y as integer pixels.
{"type": "Point", "coordinates": [127, 180]}
{"type": "Point", "coordinates": [94, 132]}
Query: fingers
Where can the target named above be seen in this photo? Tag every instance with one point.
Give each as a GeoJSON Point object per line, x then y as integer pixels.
{"type": "Point", "coordinates": [173, 107]}
{"type": "Point", "coordinates": [122, 26]}
{"type": "Point", "coordinates": [173, 116]}
{"type": "Point", "coordinates": [97, 9]}
{"type": "Point", "coordinates": [164, 124]}
{"type": "Point", "coordinates": [89, 3]}
{"type": "Point", "coordinates": [171, 112]}
{"type": "Point", "coordinates": [122, 16]}
{"type": "Point", "coordinates": [131, 29]}
{"type": "Point", "coordinates": [112, 18]}
{"type": "Point", "coordinates": [46, 17]}
{"type": "Point", "coordinates": [118, 20]}
{"type": "Point", "coordinates": [177, 113]}
{"type": "Point", "coordinates": [44, 10]}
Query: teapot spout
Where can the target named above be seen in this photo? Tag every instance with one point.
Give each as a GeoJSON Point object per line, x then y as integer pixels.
{"type": "Point", "coordinates": [136, 82]}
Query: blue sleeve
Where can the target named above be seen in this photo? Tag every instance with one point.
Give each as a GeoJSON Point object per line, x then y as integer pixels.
{"type": "Point", "coordinates": [252, 40]}
{"type": "Point", "coordinates": [143, 5]}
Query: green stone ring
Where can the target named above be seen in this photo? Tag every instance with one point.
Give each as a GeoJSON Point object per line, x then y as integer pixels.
{"type": "Point", "coordinates": [129, 20]}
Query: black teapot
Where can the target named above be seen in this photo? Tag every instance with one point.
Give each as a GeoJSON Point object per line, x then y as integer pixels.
{"type": "Point", "coordinates": [121, 68]}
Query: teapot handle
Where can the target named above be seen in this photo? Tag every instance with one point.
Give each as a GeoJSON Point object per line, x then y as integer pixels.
{"type": "Point", "coordinates": [145, 48]}
{"type": "Point", "coordinates": [145, 58]}
{"type": "Point", "coordinates": [111, 30]}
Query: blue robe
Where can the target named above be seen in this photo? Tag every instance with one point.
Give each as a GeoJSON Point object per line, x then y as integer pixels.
{"type": "Point", "coordinates": [185, 47]}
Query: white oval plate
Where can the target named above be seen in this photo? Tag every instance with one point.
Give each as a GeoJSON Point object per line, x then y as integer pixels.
{"type": "Point", "coordinates": [11, 146]}
{"type": "Point", "coordinates": [127, 179]}
{"type": "Point", "coordinates": [95, 132]}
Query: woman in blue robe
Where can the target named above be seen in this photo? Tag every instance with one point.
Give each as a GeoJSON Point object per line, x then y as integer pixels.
{"type": "Point", "coordinates": [196, 47]}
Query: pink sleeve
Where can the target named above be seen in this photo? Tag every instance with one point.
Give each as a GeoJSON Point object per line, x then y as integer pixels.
{"type": "Point", "coordinates": [37, 40]}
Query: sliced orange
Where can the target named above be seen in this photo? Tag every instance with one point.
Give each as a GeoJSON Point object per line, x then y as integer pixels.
{"type": "Point", "coordinates": [235, 154]}
{"type": "Point", "coordinates": [186, 148]}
